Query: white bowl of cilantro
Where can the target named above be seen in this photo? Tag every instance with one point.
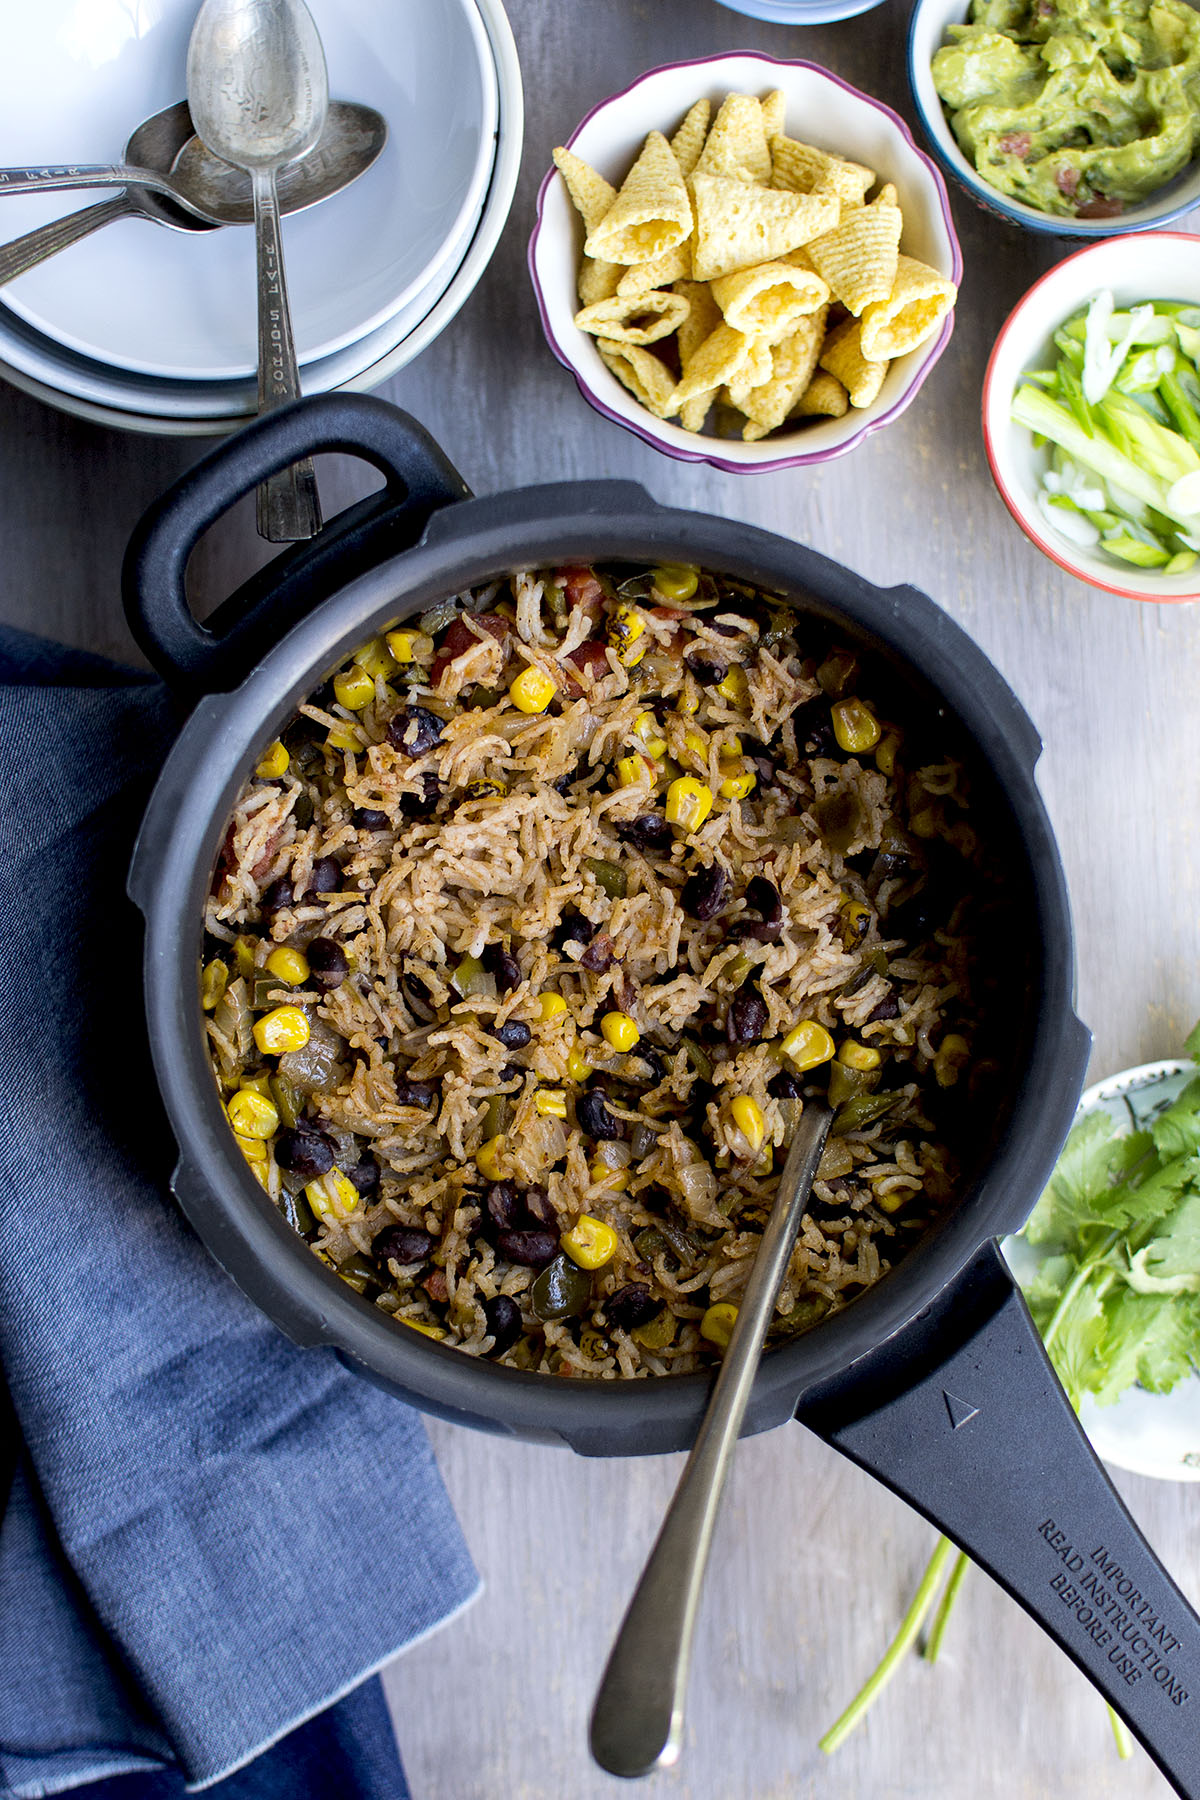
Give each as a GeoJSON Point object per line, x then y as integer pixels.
{"type": "Point", "coordinates": [1109, 1262]}
{"type": "Point", "coordinates": [1091, 415]}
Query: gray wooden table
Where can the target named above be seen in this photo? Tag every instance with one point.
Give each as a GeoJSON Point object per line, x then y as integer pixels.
{"type": "Point", "coordinates": [814, 1563]}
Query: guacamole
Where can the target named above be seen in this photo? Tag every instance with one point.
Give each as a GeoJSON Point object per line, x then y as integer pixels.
{"type": "Point", "coordinates": [1076, 107]}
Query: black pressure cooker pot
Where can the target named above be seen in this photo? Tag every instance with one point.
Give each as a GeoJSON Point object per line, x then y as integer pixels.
{"type": "Point", "coordinates": [935, 1379]}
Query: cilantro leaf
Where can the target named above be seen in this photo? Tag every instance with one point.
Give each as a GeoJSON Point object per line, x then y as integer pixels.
{"type": "Point", "coordinates": [1170, 1262]}
{"type": "Point", "coordinates": [1081, 1330]}
{"type": "Point", "coordinates": [1083, 1189]}
{"type": "Point", "coordinates": [1176, 1132]}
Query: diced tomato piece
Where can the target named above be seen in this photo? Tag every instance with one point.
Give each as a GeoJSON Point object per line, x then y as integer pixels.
{"type": "Point", "coordinates": [1066, 181]}
{"type": "Point", "coordinates": [590, 658]}
{"type": "Point", "coordinates": [583, 588]}
{"type": "Point", "coordinates": [1016, 143]}
{"type": "Point", "coordinates": [459, 637]}
{"type": "Point", "coordinates": [1100, 208]}
{"type": "Point", "coordinates": [435, 1286]}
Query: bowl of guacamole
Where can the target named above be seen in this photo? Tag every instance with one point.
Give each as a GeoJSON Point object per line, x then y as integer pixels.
{"type": "Point", "coordinates": [1076, 117]}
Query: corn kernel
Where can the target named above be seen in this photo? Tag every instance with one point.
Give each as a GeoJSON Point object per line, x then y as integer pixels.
{"type": "Point", "coordinates": [332, 1195]}
{"type": "Point", "coordinates": [885, 754]}
{"type": "Point", "coordinates": [286, 1028]}
{"type": "Point", "coordinates": [718, 1323]}
{"type": "Point", "coordinates": [291, 966]}
{"type": "Point", "coordinates": [578, 1066]}
{"type": "Point", "coordinates": [243, 955]}
{"type": "Point", "coordinates": [630, 770]}
{"type": "Point", "coordinates": [808, 1045]}
{"type": "Point", "coordinates": [551, 1007]}
{"type": "Point", "coordinates": [551, 1103]}
{"type": "Point", "coordinates": [618, 1030]}
{"type": "Point", "coordinates": [675, 581]}
{"type": "Point", "coordinates": [952, 1054]}
{"type": "Point", "coordinates": [273, 762]}
{"type": "Point", "coordinates": [252, 1148]}
{"type": "Point", "coordinates": [646, 731]}
{"type": "Point", "coordinates": [748, 1117]}
{"type": "Point", "coordinates": [252, 1115]}
{"type": "Point", "coordinates": [688, 703]}
{"type": "Point", "coordinates": [376, 658]}
{"type": "Point", "coordinates": [625, 630]}
{"type": "Point", "coordinates": [924, 823]}
{"type": "Point", "coordinates": [485, 790]}
{"type": "Point", "coordinates": [736, 687]}
{"type": "Point", "coordinates": [257, 1084]}
{"type": "Point", "coordinates": [400, 643]}
{"type": "Point", "coordinates": [354, 688]}
{"type": "Point", "coordinates": [697, 743]}
{"type": "Point", "coordinates": [344, 737]}
{"type": "Point", "coordinates": [856, 919]}
{"type": "Point", "coordinates": [213, 983]}
{"type": "Point", "coordinates": [437, 1332]}
{"type": "Point", "coordinates": [613, 1181]}
{"type": "Point", "coordinates": [590, 1243]}
{"type": "Point", "coordinates": [532, 690]}
{"type": "Point", "coordinates": [854, 726]}
{"type": "Point", "coordinates": [737, 781]}
{"type": "Point", "coordinates": [863, 1057]}
{"type": "Point", "coordinates": [487, 1159]}
{"type": "Point", "coordinates": [688, 804]}
{"type": "Point", "coordinates": [890, 1203]}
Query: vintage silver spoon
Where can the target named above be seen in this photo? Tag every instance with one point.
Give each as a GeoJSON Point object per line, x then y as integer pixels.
{"type": "Point", "coordinates": [637, 1721]}
{"type": "Point", "coordinates": [166, 145]}
{"type": "Point", "coordinates": [258, 93]}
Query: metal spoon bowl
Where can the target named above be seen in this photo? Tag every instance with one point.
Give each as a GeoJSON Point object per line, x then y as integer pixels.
{"type": "Point", "coordinates": [166, 145]}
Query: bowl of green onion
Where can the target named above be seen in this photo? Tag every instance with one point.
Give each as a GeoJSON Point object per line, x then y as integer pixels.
{"type": "Point", "coordinates": [1091, 415]}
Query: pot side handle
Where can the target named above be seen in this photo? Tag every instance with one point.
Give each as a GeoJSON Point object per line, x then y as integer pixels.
{"type": "Point", "coordinates": [216, 655]}
{"type": "Point", "coordinates": [963, 1416]}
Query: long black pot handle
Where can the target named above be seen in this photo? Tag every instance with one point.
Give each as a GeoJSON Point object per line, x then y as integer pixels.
{"type": "Point", "coordinates": [963, 1416]}
{"type": "Point", "coordinates": [216, 655]}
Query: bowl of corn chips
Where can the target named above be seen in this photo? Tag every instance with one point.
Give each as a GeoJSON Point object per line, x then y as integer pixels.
{"type": "Point", "coordinates": [745, 262]}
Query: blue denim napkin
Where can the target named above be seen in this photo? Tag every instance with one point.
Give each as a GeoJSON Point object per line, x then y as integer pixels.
{"type": "Point", "coordinates": [209, 1535]}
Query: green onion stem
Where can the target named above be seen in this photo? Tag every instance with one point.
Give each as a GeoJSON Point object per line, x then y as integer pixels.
{"type": "Point", "coordinates": [899, 1647]}
{"type": "Point", "coordinates": [1121, 1734]}
{"type": "Point", "coordinates": [1073, 1286]}
{"type": "Point", "coordinates": [941, 1617]}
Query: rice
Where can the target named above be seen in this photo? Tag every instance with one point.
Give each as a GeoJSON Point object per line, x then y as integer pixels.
{"type": "Point", "coordinates": [472, 889]}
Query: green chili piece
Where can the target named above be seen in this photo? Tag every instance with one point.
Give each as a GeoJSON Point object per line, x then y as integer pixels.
{"type": "Point", "coordinates": [656, 1333]}
{"type": "Point", "coordinates": [610, 877]}
{"type": "Point", "coordinates": [289, 1102]}
{"type": "Point", "coordinates": [496, 1115]}
{"type": "Point", "coordinates": [862, 1110]}
{"type": "Point", "coordinates": [561, 1291]}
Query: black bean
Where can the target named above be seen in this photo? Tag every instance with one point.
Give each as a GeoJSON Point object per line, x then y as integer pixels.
{"type": "Point", "coordinates": [416, 1093]}
{"type": "Point", "coordinates": [563, 784]}
{"type": "Point", "coordinates": [327, 963]}
{"type": "Point", "coordinates": [422, 805]}
{"type": "Point", "coordinates": [598, 957]}
{"type": "Point", "coordinates": [814, 730]}
{"type": "Point", "coordinates": [631, 1306]}
{"type": "Point", "coordinates": [510, 1072]}
{"type": "Point", "coordinates": [369, 818]}
{"type": "Point", "coordinates": [501, 1207]}
{"type": "Point", "coordinates": [888, 1008]}
{"type": "Point", "coordinates": [402, 1244]}
{"type": "Point", "coordinates": [594, 1118]}
{"type": "Point", "coordinates": [649, 831]}
{"type": "Point", "coordinates": [419, 999]}
{"type": "Point", "coordinates": [532, 1249]}
{"type": "Point", "coordinates": [705, 892]}
{"type": "Point", "coordinates": [503, 1322]}
{"type": "Point", "coordinates": [364, 1174]}
{"type": "Point", "coordinates": [325, 876]}
{"type": "Point", "coordinates": [708, 670]}
{"type": "Point", "coordinates": [747, 1017]}
{"type": "Point", "coordinates": [414, 729]}
{"type": "Point", "coordinates": [573, 928]}
{"type": "Point", "coordinates": [514, 1034]}
{"type": "Point", "coordinates": [539, 1209]}
{"type": "Point", "coordinates": [728, 630]}
{"type": "Point", "coordinates": [279, 896]}
{"type": "Point", "coordinates": [785, 1086]}
{"type": "Point", "coordinates": [504, 967]}
{"type": "Point", "coordinates": [306, 1151]}
{"type": "Point", "coordinates": [762, 897]}
{"type": "Point", "coordinates": [652, 1063]}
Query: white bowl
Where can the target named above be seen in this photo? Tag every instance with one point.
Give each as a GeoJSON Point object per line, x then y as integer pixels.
{"type": "Point", "coordinates": [800, 12]}
{"type": "Point", "coordinates": [927, 33]}
{"type": "Point", "coordinates": [823, 110]}
{"type": "Point", "coordinates": [45, 370]}
{"type": "Point", "coordinates": [1148, 1434]}
{"type": "Point", "coordinates": [75, 80]}
{"type": "Point", "coordinates": [1160, 265]}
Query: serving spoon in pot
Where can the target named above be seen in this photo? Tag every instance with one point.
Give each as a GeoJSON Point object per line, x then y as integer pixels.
{"type": "Point", "coordinates": [637, 1721]}
{"type": "Point", "coordinates": [258, 93]}
{"type": "Point", "coordinates": [166, 145]}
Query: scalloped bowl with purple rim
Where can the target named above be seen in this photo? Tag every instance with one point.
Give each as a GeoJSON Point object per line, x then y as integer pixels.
{"type": "Point", "coordinates": [821, 109]}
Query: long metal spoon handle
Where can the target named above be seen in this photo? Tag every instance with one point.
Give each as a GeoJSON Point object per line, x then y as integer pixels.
{"type": "Point", "coordinates": [637, 1721]}
{"type": "Point", "coordinates": [90, 175]}
{"type": "Point", "coordinates": [288, 507]}
{"type": "Point", "coordinates": [35, 246]}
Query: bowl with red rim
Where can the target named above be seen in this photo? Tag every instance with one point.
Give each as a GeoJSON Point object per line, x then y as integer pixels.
{"type": "Point", "coordinates": [821, 109]}
{"type": "Point", "coordinates": [1163, 265]}
{"type": "Point", "coordinates": [928, 26]}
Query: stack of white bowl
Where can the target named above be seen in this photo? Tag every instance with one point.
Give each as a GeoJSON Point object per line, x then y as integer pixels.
{"type": "Point", "coordinates": [152, 329]}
